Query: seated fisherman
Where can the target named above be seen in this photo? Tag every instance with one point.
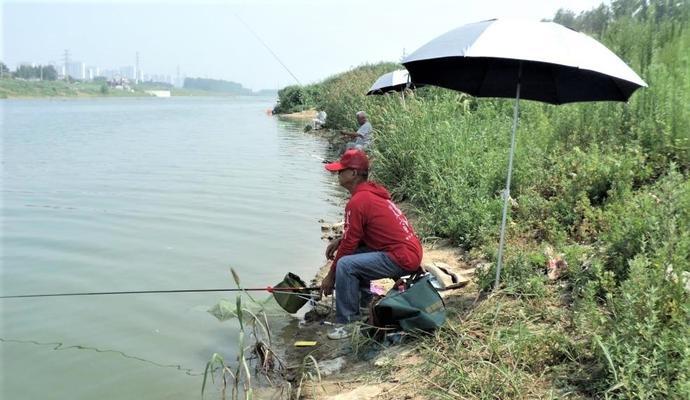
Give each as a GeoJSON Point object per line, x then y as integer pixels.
{"type": "Point", "coordinates": [320, 120]}
{"type": "Point", "coordinates": [361, 138]}
{"type": "Point", "coordinates": [378, 241]}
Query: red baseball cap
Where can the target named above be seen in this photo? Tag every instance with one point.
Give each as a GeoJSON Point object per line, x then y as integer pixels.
{"type": "Point", "coordinates": [352, 159]}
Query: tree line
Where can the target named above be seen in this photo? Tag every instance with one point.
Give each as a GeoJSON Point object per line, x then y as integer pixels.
{"type": "Point", "coordinates": [215, 85]}
{"type": "Point", "coordinates": [42, 72]}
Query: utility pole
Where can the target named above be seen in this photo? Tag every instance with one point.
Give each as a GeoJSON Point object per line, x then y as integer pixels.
{"type": "Point", "coordinates": [65, 58]}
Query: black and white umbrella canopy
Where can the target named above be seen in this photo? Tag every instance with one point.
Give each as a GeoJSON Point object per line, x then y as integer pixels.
{"type": "Point", "coordinates": [397, 81]}
{"type": "Point", "coordinates": [554, 64]}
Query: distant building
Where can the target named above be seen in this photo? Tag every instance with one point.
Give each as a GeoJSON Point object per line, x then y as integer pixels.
{"type": "Point", "coordinates": [179, 82]}
{"type": "Point", "coordinates": [110, 73]}
{"type": "Point", "coordinates": [128, 72]}
{"type": "Point", "coordinates": [76, 70]}
{"type": "Point", "coordinates": [92, 72]}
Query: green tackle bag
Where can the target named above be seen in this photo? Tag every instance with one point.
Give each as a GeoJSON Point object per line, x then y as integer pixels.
{"type": "Point", "coordinates": [417, 307]}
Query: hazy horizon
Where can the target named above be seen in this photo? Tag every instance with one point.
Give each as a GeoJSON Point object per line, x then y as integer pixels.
{"type": "Point", "coordinates": [223, 40]}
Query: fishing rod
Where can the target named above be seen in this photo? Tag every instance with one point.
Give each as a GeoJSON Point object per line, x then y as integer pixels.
{"type": "Point", "coordinates": [269, 289]}
{"type": "Point", "coordinates": [267, 48]}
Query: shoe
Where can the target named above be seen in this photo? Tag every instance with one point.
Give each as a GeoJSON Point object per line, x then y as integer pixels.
{"type": "Point", "coordinates": [340, 332]}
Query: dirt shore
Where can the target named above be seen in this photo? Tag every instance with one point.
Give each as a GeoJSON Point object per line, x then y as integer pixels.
{"type": "Point", "coordinates": [306, 115]}
{"type": "Point", "coordinates": [360, 368]}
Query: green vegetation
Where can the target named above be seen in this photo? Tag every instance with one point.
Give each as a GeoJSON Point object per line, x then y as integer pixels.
{"type": "Point", "coordinates": [252, 323]}
{"type": "Point", "coordinates": [12, 88]}
{"type": "Point", "coordinates": [42, 72]}
{"type": "Point", "coordinates": [215, 85]}
{"type": "Point", "coordinates": [256, 358]}
{"type": "Point", "coordinates": [41, 81]}
{"type": "Point", "coordinates": [19, 88]}
{"type": "Point", "coordinates": [326, 95]}
{"type": "Point", "coordinates": [39, 72]}
{"type": "Point", "coordinates": [296, 98]}
{"type": "Point", "coordinates": [603, 185]}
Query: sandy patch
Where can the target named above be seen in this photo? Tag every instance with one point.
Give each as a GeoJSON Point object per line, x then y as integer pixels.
{"type": "Point", "coordinates": [306, 115]}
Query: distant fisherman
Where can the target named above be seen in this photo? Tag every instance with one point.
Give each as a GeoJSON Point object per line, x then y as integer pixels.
{"type": "Point", "coordinates": [378, 242]}
{"type": "Point", "coordinates": [362, 138]}
{"type": "Point", "coordinates": [320, 120]}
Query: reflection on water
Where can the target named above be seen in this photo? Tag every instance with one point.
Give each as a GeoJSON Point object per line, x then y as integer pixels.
{"type": "Point", "coordinates": [145, 194]}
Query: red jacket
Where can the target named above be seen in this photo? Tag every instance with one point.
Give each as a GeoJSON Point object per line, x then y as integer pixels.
{"type": "Point", "coordinates": [373, 220]}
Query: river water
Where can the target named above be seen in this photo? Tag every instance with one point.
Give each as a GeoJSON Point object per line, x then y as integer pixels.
{"type": "Point", "coordinates": [145, 194]}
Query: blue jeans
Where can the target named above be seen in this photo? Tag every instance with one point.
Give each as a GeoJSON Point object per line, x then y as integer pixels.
{"type": "Point", "coordinates": [353, 276]}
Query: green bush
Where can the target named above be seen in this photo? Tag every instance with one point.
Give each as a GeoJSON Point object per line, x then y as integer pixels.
{"type": "Point", "coordinates": [342, 95]}
{"type": "Point", "coordinates": [293, 99]}
{"type": "Point", "coordinates": [646, 339]}
{"type": "Point", "coordinates": [645, 222]}
{"type": "Point", "coordinates": [523, 273]}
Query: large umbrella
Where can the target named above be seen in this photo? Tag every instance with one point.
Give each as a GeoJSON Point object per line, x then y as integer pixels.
{"type": "Point", "coordinates": [397, 80]}
{"type": "Point", "coordinates": [541, 61]}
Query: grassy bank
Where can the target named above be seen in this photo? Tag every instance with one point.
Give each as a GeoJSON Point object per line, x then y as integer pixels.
{"type": "Point", "coordinates": [14, 88]}
{"type": "Point", "coordinates": [602, 186]}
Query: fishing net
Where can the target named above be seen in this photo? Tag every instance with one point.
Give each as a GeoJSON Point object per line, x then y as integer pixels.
{"type": "Point", "coordinates": [289, 299]}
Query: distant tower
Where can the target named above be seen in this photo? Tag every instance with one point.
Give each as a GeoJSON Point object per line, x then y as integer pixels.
{"type": "Point", "coordinates": [136, 70]}
{"type": "Point", "coordinates": [177, 80]}
{"type": "Point", "coordinates": [65, 59]}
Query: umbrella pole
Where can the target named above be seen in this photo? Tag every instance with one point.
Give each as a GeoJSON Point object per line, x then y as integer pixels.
{"type": "Point", "coordinates": [407, 85]}
{"type": "Point", "coordinates": [506, 192]}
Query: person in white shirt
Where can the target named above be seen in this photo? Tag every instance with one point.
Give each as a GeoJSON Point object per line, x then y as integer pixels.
{"type": "Point", "coordinates": [320, 120]}
{"type": "Point", "coordinates": [362, 138]}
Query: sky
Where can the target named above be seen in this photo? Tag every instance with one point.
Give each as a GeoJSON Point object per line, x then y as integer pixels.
{"type": "Point", "coordinates": [314, 39]}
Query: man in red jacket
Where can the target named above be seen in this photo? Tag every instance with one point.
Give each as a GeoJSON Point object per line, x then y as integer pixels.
{"type": "Point", "coordinates": [378, 241]}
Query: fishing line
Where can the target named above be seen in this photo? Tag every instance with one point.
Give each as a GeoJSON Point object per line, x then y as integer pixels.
{"type": "Point", "coordinates": [267, 48]}
{"type": "Point", "coordinates": [58, 346]}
